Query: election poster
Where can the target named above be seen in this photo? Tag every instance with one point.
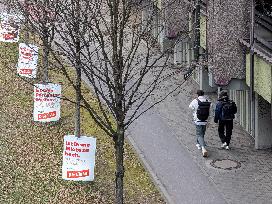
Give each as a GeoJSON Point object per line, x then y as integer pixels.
{"type": "Point", "coordinates": [28, 60]}
{"type": "Point", "coordinates": [47, 102]}
{"type": "Point", "coordinates": [78, 158]}
{"type": "Point", "coordinates": [9, 27]}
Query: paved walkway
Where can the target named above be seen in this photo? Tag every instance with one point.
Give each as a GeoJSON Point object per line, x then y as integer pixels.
{"type": "Point", "coordinates": [165, 139]}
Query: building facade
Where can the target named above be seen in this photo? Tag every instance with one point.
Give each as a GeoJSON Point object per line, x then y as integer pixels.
{"type": "Point", "coordinates": [224, 60]}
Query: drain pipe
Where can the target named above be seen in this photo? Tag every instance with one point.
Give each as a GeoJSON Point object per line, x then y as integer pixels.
{"type": "Point", "coordinates": [252, 95]}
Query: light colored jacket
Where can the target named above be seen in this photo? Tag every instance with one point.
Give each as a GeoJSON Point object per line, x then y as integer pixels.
{"type": "Point", "coordinates": [194, 105]}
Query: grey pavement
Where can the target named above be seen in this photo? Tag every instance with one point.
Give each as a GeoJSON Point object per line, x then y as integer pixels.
{"type": "Point", "coordinates": [165, 140]}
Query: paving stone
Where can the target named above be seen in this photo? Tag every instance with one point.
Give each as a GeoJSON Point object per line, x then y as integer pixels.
{"type": "Point", "coordinates": [249, 184]}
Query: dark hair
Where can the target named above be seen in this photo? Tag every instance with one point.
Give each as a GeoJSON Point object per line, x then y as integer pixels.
{"type": "Point", "coordinates": [223, 94]}
{"type": "Point", "coordinates": [200, 92]}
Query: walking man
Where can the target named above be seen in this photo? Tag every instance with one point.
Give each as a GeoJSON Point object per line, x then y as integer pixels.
{"type": "Point", "coordinates": [225, 111]}
{"type": "Point", "coordinates": [201, 109]}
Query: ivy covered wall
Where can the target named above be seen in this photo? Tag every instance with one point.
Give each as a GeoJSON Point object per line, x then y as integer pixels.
{"type": "Point", "coordinates": [227, 23]}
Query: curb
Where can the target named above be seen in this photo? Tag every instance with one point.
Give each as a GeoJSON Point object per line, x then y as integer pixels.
{"type": "Point", "coordinates": [149, 169]}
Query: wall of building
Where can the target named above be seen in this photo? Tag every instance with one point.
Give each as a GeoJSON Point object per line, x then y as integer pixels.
{"type": "Point", "coordinates": [227, 22]}
{"type": "Point", "coordinates": [176, 17]}
{"type": "Point", "coordinates": [242, 100]}
{"type": "Point", "coordinates": [262, 76]}
{"type": "Point", "coordinates": [263, 132]}
{"type": "Point", "coordinates": [203, 31]}
{"type": "Point", "coordinates": [170, 20]}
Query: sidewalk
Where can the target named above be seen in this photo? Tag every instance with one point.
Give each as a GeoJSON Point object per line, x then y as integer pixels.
{"type": "Point", "coordinates": [165, 139]}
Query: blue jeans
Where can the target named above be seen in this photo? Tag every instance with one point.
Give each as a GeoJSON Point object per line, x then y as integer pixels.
{"type": "Point", "coordinates": [200, 132]}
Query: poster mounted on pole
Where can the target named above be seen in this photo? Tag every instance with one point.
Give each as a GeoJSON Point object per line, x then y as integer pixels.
{"type": "Point", "coordinates": [28, 60]}
{"type": "Point", "coordinates": [9, 27]}
{"type": "Point", "coordinates": [47, 102]}
{"type": "Point", "coordinates": [78, 158]}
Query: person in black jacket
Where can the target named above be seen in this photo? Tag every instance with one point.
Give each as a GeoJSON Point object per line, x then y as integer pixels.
{"type": "Point", "coordinates": [225, 116]}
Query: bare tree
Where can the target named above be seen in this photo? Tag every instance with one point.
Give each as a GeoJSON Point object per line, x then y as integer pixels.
{"type": "Point", "coordinates": [118, 64]}
{"type": "Point", "coordinates": [40, 16]}
{"type": "Point", "coordinates": [105, 41]}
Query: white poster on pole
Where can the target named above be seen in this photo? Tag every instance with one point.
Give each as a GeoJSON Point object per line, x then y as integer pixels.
{"type": "Point", "coordinates": [28, 60]}
{"type": "Point", "coordinates": [47, 102]}
{"type": "Point", "coordinates": [78, 158]}
{"type": "Point", "coordinates": [9, 27]}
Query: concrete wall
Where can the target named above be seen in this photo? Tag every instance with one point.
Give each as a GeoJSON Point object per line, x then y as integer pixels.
{"type": "Point", "coordinates": [242, 100]}
{"type": "Point", "coordinates": [204, 81]}
{"type": "Point", "coordinates": [262, 118]}
{"type": "Point", "coordinates": [263, 131]}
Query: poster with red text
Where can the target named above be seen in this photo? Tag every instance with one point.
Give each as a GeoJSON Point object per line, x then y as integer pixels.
{"type": "Point", "coordinates": [47, 102]}
{"type": "Point", "coordinates": [9, 28]}
{"type": "Point", "coordinates": [78, 158]}
{"type": "Point", "coordinates": [28, 60]}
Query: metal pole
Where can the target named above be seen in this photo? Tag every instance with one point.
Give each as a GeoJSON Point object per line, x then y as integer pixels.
{"type": "Point", "coordinates": [252, 96]}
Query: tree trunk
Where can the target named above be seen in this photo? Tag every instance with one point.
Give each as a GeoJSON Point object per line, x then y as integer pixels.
{"type": "Point", "coordinates": [78, 94]}
{"type": "Point", "coordinates": [119, 154]}
{"type": "Point", "coordinates": [27, 24]}
{"type": "Point", "coordinates": [45, 59]}
{"type": "Point", "coordinates": [78, 73]}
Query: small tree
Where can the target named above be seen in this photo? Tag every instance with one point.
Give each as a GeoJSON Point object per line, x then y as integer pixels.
{"type": "Point", "coordinates": [40, 17]}
{"type": "Point", "coordinates": [106, 43]}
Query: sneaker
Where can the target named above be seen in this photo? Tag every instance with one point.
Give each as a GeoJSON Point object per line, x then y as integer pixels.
{"type": "Point", "coordinates": [198, 146]}
{"type": "Point", "coordinates": [204, 152]}
{"type": "Point", "coordinates": [227, 147]}
{"type": "Point", "coordinates": [223, 145]}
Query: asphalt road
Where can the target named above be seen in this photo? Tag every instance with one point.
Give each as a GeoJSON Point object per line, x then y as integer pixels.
{"type": "Point", "coordinates": [170, 164]}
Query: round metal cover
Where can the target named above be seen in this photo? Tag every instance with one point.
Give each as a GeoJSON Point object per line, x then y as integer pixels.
{"type": "Point", "coordinates": [226, 164]}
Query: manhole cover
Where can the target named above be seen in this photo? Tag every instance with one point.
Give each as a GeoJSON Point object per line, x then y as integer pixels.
{"type": "Point", "coordinates": [226, 164]}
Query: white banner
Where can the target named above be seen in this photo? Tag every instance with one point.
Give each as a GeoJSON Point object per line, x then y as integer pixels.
{"type": "Point", "coordinates": [9, 28]}
{"type": "Point", "coordinates": [47, 102]}
{"type": "Point", "coordinates": [78, 158]}
{"type": "Point", "coordinates": [28, 60]}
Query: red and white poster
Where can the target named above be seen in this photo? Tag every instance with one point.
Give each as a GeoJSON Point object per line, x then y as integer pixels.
{"type": "Point", "coordinates": [28, 60]}
{"type": "Point", "coordinates": [47, 102]}
{"type": "Point", "coordinates": [9, 28]}
{"type": "Point", "coordinates": [78, 158]}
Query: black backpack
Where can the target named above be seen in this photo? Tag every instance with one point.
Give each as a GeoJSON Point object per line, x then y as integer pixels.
{"type": "Point", "coordinates": [229, 109]}
{"type": "Point", "coordinates": [203, 110]}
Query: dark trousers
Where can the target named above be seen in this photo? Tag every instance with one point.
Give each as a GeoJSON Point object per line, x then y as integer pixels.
{"type": "Point", "coordinates": [225, 126]}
